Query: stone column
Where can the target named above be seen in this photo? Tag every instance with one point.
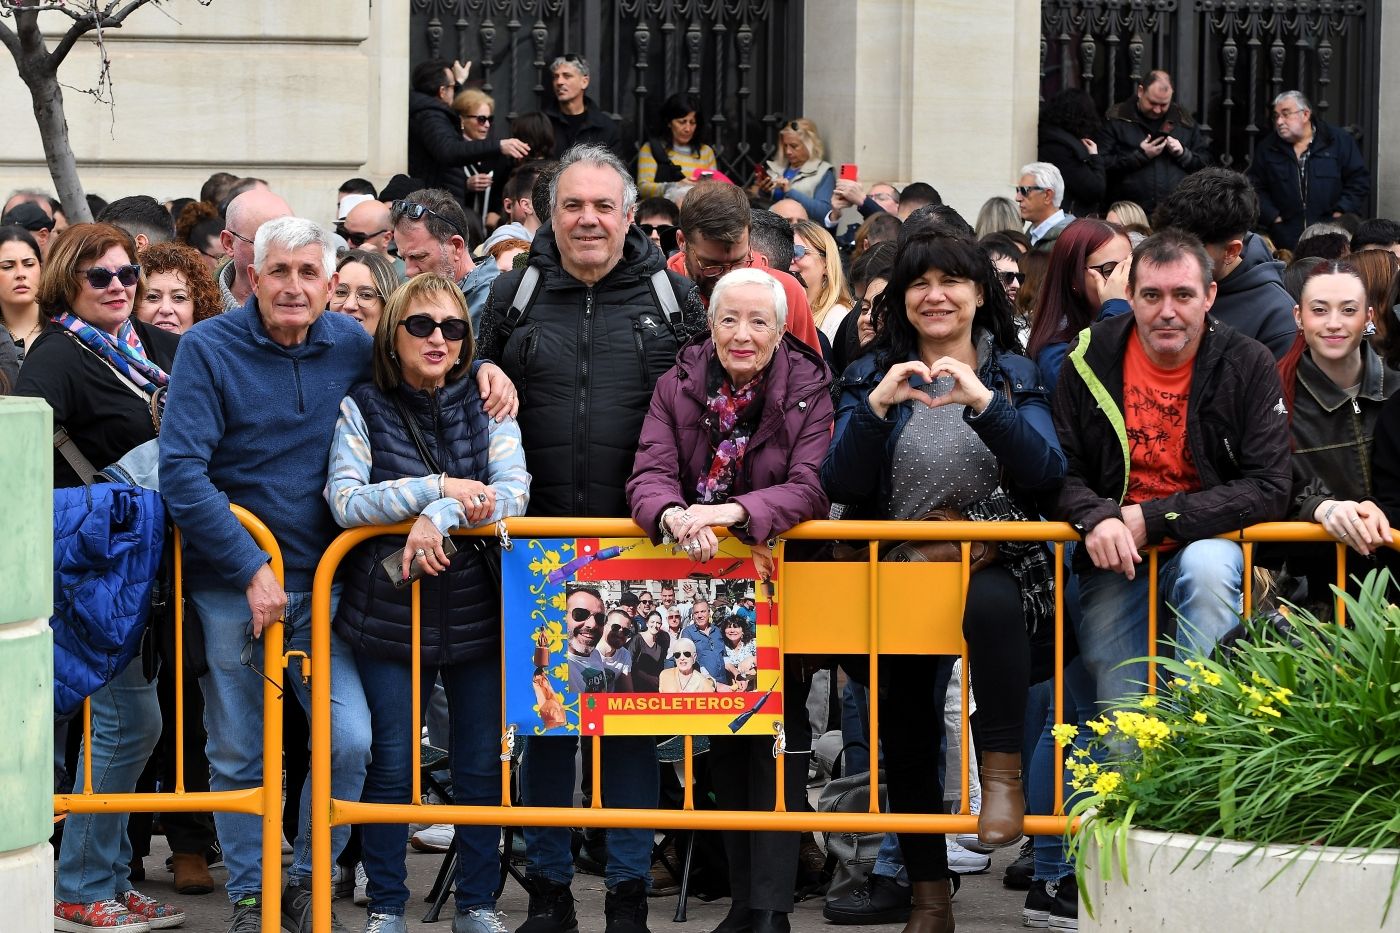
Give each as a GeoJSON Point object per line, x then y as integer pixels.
{"type": "Point", "coordinates": [26, 665]}
{"type": "Point", "coordinates": [911, 90]}
{"type": "Point", "coordinates": [1387, 167]}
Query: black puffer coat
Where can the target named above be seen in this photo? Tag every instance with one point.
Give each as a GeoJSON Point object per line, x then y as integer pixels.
{"type": "Point", "coordinates": [585, 361]}
{"type": "Point", "coordinates": [437, 150]}
{"type": "Point", "coordinates": [460, 609]}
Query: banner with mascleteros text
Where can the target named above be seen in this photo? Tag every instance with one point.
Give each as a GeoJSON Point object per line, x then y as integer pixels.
{"type": "Point", "coordinates": [617, 636]}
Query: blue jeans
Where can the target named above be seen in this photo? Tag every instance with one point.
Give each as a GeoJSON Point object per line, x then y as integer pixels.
{"type": "Point", "coordinates": [473, 690]}
{"type": "Point", "coordinates": [233, 718]}
{"type": "Point", "coordinates": [94, 860]}
{"type": "Point", "coordinates": [1050, 861]}
{"type": "Point", "coordinates": [1202, 581]}
{"type": "Point", "coordinates": [630, 779]}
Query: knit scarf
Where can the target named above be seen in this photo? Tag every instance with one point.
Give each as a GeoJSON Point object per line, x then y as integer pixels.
{"type": "Point", "coordinates": [124, 352]}
{"type": "Point", "coordinates": [733, 415]}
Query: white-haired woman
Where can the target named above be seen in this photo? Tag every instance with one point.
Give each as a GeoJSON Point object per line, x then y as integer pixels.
{"type": "Point", "coordinates": [735, 437]}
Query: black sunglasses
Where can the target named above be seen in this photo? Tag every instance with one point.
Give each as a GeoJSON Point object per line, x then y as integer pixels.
{"type": "Point", "coordinates": [247, 655]}
{"type": "Point", "coordinates": [659, 229]}
{"type": "Point", "coordinates": [1025, 190]}
{"type": "Point", "coordinates": [580, 614]}
{"type": "Point", "coordinates": [99, 278]}
{"type": "Point", "coordinates": [420, 325]}
{"type": "Point", "coordinates": [1105, 269]}
{"type": "Point", "coordinates": [358, 239]}
{"type": "Point", "coordinates": [682, 654]}
{"type": "Point", "coordinates": [481, 118]}
{"type": "Point", "coordinates": [412, 210]}
{"type": "Point", "coordinates": [1008, 277]}
{"type": "Point", "coordinates": [618, 626]}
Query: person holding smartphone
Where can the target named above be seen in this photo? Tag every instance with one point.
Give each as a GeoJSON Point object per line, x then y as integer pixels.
{"type": "Point", "coordinates": [1149, 143]}
{"type": "Point", "coordinates": [416, 444]}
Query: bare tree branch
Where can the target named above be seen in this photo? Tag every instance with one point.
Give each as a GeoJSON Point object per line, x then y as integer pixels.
{"type": "Point", "coordinates": [10, 40]}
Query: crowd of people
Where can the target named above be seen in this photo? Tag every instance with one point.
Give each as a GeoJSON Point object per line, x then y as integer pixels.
{"type": "Point", "coordinates": [529, 325]}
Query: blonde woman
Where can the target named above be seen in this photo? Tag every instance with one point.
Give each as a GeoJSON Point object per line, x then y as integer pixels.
{"type": "Point", "coordinates": [798, 171]}
{"type": "Point", "coordinates": [1129, 215]}
{"type": "Point", "coordinates": [487, 175]}
{"type": "Point", "coordinates": [818, 264]}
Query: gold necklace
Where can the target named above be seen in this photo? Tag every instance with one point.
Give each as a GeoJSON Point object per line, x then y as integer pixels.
{"type": "Point", "coordinates": [32, 331]}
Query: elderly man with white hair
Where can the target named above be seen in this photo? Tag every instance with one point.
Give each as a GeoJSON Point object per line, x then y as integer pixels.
{"type": "Point", "coordinates": [735, 438]}
{"type": "Point", "coordinates": [254, 397]}
{"type": "Point", "coordinates": [1039, 193]}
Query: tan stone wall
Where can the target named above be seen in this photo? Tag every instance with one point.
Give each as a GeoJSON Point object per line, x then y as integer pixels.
{"type": "Point", "coordinates": [917, 90]}
{"type": "Point", "coordinates": [305, 94]}
{"type": "Point", "coordinates": [1386, 172]}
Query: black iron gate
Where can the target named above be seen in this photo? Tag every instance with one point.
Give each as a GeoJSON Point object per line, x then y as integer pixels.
{"type": "Point", "coordinates": [1228, 58]}
{"type": "Point", "coordinates": [741, 58]}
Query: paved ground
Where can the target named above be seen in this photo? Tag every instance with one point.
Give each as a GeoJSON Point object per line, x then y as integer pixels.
{"type": "Point", "coordinates": [983, 904]}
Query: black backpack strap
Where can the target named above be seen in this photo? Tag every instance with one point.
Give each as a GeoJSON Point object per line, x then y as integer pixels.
{"type": "Point", "coordinates": [665, 297]}
{"type": "Point", "coordinates": [523, 299]}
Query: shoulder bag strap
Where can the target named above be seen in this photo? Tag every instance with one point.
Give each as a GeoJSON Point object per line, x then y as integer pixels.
{"type": "Point", "coordinates": [665, 297]}
{"type": "Point", "coordinates": [80, 464]}
{"type": "Point", "coordinates": [524, 297]}
{"type": "Point", "coordinates": [417, 434]}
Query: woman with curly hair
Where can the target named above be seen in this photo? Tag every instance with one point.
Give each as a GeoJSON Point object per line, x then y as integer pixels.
{"type": "Point", "coordinates": [179, 290]}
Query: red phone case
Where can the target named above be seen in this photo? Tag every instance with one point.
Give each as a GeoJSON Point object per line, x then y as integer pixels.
{"type": "Point", "coordinates": [848, 171]}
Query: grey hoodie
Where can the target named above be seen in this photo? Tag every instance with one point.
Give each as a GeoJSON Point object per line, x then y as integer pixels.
{"type": "Point", "coordinates": [1254, 302]}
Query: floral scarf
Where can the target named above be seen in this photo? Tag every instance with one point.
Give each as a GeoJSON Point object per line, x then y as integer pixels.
{"type": "Point", "coordinates": [124, 352]}
{"type": "Point", "coordinates": [732, 415]}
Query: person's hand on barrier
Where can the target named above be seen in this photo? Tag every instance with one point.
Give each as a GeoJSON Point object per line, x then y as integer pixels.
{"type": "Point", "coordinates": [1361, 526]}
{"type": "Point", "coordinates": [478, 499]}
{"type": "Point", "coordinates": [684, 525]}
{"type": "Point", "coordinates": [702, 545]}
{"type": "Point", "coordinates": [266, 599]}
{"type": "Point", "coordinates": [497, 392]}
{"type": "Point", "coordinates": [424, 544]}
{"type": "Point", "coordinates": [1111, 547]}
{"type": "Point", "coordinates": [895, 388]}
{"type": "Point", "coordinates": [967, 388]}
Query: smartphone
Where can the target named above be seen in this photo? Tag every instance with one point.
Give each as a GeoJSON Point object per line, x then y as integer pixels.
{"type": "Point", "coordinates": [1156, 138]}
{"type": "Point", "coordinates": [848, 171]}
{"type": "Point", "coordinates": [393, 565]}
{"type": "Point", "coordinates": [760, 172]}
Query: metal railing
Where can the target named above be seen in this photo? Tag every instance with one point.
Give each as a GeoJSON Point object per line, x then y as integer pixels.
{"type": "Point", "coordinates": [264, 801]}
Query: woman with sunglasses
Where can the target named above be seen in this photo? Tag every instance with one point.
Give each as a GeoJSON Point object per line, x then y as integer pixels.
{"type": "Point", "coordinates": [945, 413]}
{"type": "Point", "coordinates": [798, 172]}
{"type": "Point", "coordinates": [99, 369]}
{"type": "Point", "coordinates": [416, 444]}
{"type": "Point", "coordinates": [1086, 280]}
{"type": "Point", "coordinates": [817, 264]}
{"type": "Point", "coordinates": [486, 177]}
{"type": "Point", "coordinates": [735, 438]}
{"type": "Point", "coordinates": [686, 676]}
{"type": "Point", "coordinates": [668, 161]}
{"type": "Point", "coordinates": [366, 281]}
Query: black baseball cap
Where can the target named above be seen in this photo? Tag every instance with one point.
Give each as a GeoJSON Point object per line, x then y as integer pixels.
{"type": "Point", "coordinates": [28, 215]}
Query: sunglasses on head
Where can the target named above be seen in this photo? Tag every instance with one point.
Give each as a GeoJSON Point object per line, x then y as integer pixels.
{"type": "Point", "coordinates": [99, 278]}
{"type": "Point", "coordinates": [420, 325]}
{"type": "Point", "coordinates": [412, 210]}
{"type": "Point", "coordinates": [581, 615]}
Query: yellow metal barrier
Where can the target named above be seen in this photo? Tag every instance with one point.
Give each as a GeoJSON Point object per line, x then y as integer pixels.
{"type": "Point", "coordinates": [816, 603]}
{"type": "Point", "coordinates": [264, 801]}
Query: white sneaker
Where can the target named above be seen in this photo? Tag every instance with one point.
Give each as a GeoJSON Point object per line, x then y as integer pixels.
{"type": "Point", "coordinates": [964, 862]}
{"type": "Point", "coordinates": [435, 838]}
{"type": "Point", "coordinates": [361, 885]}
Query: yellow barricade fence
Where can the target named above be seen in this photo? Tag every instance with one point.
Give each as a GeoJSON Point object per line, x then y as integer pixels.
{"type": "Point", "coordinates": [264, 801]}
{"type": "Point", "coordinates": [816, 603]}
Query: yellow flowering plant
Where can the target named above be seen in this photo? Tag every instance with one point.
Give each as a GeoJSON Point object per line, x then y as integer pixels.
{"type": "Point", "coordinates": [1291, 736]}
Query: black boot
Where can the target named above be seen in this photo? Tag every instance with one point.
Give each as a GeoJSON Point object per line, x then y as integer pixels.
{"type": "Point", "coordinates": [770, 921]}
{"type": "Point", "coordinates": [881, 900]}
{"type": "Point", "coordinates": [625, 908]}
{"type": "Point", "coordinates": [738, 919]}
{"type": "Point", "coordinates": [551, 908]}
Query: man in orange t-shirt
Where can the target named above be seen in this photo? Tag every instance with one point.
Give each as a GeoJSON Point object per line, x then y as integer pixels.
{"type": "Point", "coordinates": [1176, 431]}
{"type": "Point", "coordinates": [714, 239]}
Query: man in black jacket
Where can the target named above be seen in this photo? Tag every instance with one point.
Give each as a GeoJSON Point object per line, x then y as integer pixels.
{"type": "Point", "coordinates": [586, 352]}
{"type": "Point", "coordinates": [1176, 431]}
{"type": "Point", "coordinates": [1218, 207]}
{"type": "Point", "coordinates": [577, 119]}
{"type": "Point", "coordinates": [1149, 144]}
{"type": "Point", "coordinates": [437, 150]}
{"type": "Point", "coordinates": [1306, 171]}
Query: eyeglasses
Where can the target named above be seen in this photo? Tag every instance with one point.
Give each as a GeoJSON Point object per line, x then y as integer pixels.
{"type": "Point", "coordinates": [363, 294]}
{"type": "Point", "coordinates": [245, 657]}
{"type": "Point", "coordinates": [712, 270]}
{"type": "Point", "coordinates": [412, 210]}
{"type": "Point", "coordinates": [581, 615]}
{"type": "Point", "coordinates": [1008, 277]}
{"type": "Point", "coordinates": [238, 236]}
{"type": "Point", "coordinates": [99, 278]}
{"type": "Point", "coordinates": [1025, 190]}
{"type": "Point", "coordinates": [420, 325]}
{"type": "Point", "coordinates": [482, 119]}
{"type": "Point", "coordinates": [682, 654]}
{"type": "Point", "coordinates": [884, 196]}
{"type": "Point", "coordinates": [1105, 269]}
{"type": "Point", "coordinates": [1285, 114]}
{"type": "Point", "coordinates": [359, 239]}
{"type": "Point", "coordinates": [217, 257]}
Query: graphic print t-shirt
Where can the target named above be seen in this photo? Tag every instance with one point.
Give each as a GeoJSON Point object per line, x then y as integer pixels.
{"type": "Point", "coordinates": [1154, 409]}
{"type": "Point", "coordinates": [587, 674]}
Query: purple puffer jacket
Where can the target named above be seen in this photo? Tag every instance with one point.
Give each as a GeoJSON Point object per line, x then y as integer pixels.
{"type": "Point", "coordinates": [779, 482]}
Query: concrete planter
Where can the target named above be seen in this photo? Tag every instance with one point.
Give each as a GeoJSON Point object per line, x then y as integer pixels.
{"type": "Point", "coordinates": [1221, 885]}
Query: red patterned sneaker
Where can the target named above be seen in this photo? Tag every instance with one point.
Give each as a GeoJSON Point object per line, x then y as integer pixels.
{"type": "Point", "coordinates": [159, 916]}
{"type": "Point", "coordinates": [108, 916]}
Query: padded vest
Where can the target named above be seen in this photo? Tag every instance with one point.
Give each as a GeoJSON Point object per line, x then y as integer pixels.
{"type": "Point", "coordinates": [460, 616]}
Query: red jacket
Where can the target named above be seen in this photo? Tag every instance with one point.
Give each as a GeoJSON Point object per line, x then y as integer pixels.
{"type": "Point", "coordinates": [799, 312]}
{"type": "Point", "coordinates": [779, 482]}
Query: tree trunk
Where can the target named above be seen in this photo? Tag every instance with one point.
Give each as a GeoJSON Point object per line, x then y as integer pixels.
{"type": "Point", "coordinates": [58, 152]}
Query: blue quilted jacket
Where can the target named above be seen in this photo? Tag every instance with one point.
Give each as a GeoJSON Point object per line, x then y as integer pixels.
{"type": "Point", "coordinates": [107, 550]}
